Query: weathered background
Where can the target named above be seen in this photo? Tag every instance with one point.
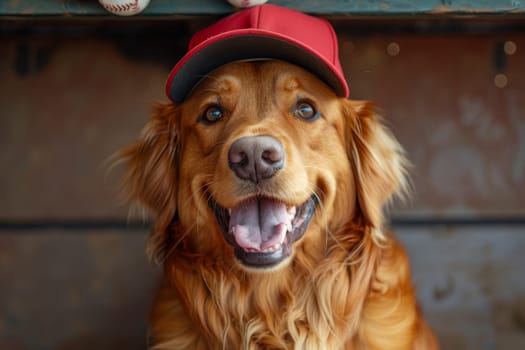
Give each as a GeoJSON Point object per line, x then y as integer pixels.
{"type": "Point", "coordinates": [73, 273]}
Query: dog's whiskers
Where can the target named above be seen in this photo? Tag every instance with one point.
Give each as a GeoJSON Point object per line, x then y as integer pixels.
{"type": "Point", "coordinates": [328, 233]}
{"type": "Point", "coordinates": [199, 192]}
{"type": "Point", "coordinates": [175, 244]}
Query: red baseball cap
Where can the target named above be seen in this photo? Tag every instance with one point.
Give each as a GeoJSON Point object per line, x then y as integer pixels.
{"type": "Point", "coordinates": [261, 32]}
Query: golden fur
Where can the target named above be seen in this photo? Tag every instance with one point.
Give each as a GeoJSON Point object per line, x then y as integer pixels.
{"type": "Point", "coordinates": [347, 284]}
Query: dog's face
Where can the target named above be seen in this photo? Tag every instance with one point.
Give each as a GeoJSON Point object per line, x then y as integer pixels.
{"type": "Point", "coordinates": [262, 151]}
{"type": "Point", "coordinates": [262, 160]}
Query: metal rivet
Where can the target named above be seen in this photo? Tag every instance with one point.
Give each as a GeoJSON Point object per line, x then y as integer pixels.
{"type": "Point", "coordinates": [510, 47]}
{"type": "Point", "coordinates": [500, 80]}
{"type": "Point", "coordinates": [393, 49]}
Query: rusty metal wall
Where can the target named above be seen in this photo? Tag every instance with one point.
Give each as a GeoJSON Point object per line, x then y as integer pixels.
{"type": "Point", "coordinates": [74, 290]}
{"type": "Point", "coordinates": [73, 275]}
{"type": "Point", "coordinates": [457, 104]}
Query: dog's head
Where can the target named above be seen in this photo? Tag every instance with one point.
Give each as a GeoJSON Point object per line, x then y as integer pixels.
{"type": "Point", "coordinates": [262, 160]}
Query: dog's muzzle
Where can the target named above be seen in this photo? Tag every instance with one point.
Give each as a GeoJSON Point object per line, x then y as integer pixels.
{"type": "Point", "coordinates": [262, 230]}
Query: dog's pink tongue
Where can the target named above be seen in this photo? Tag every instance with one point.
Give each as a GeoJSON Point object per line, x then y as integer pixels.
{"type": "Point", "coordinates": [259, 224]}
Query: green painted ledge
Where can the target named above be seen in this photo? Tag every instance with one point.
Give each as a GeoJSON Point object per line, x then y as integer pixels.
{"type": "Point", "coordinates": [375, 8]}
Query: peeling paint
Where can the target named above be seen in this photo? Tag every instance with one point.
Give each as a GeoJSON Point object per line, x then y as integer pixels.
{"type": "Point", "coordinates": [514, 7]}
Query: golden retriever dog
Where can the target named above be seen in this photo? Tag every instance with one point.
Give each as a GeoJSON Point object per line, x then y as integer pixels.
{"type": "Point", "coordinates": [267, 191]}
{"type": "Point", "coordinates": [267, 187]}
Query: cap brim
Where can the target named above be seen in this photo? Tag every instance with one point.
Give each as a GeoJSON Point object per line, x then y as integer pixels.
{"type": "Point", "coordinates": [230, 47]}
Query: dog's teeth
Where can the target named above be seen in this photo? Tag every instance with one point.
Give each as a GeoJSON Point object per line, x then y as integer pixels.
{"type": "Point", "coordinates": [291, 213]}
{"type": "Point", "coordinates": [269, 249]}
{"type": "Point", "coordinates": [273, 248]}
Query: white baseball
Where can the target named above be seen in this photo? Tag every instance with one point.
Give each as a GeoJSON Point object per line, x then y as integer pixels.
{"type": "Point", "coordinates": [246, 3]}
{"type": "Point", "coordinates": [124, 7]}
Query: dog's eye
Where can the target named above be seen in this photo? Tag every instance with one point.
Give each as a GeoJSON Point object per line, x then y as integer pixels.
{"type": "Point", "coordinates": [306, 111]}
{"type": "Point", "coordinates": [212, 115]}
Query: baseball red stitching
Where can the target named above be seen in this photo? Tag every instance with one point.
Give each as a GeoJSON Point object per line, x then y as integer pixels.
{"type": "Point", "coordinates": [130, 6]}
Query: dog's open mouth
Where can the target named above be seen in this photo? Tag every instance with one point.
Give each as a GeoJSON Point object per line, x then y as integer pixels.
{"type": "Point", "coordinates": [262, 229]}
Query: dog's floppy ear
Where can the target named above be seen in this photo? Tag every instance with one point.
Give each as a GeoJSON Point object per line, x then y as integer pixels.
{"type": "Point", "coordinates": [377, 159]}
{"type": "Point", "coordinates": [151, 174]}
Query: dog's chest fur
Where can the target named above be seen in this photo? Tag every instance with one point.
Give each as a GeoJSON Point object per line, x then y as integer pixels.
{"type": "Point", "coordinates": [308, 307]}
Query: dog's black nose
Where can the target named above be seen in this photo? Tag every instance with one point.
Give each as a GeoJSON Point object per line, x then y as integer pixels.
{"type": "Point", "coordinates": [256, 158]}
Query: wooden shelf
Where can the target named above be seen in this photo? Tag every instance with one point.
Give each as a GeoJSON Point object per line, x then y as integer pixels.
{"type": "Point", "coordinates": [181, 8]}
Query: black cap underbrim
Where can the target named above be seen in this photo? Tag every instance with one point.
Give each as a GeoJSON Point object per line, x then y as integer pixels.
{"type": "Point", "coordinates": [198, 64]}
